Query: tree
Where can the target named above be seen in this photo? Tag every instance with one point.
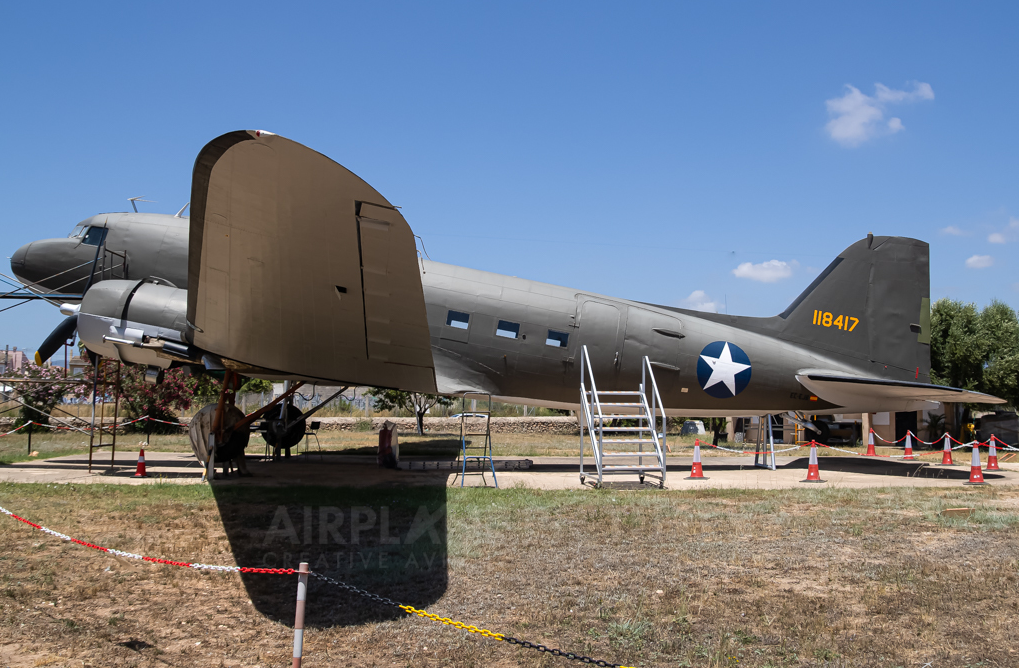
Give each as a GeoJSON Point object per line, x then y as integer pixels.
{"type": "Point", "coordinates": [39, 393]}
{"type": "Point", "coordinates": [255, 386]}
{"type": "Point", "coordinates": [975, 350]}
{"type": "Point", "coordinates": [177, 392]}
{"type": "Point", "coordinates": [1000, 327]}
{"type": "Point", "coordinates": [416, 402]}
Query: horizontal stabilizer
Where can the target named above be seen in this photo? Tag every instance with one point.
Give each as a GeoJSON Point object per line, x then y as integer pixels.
{"type": "Point", "coordinates": [864, 394]}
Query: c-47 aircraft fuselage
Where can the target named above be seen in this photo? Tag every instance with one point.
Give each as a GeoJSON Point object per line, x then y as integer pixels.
{"type": "Point", "coordinates": [291, 267]}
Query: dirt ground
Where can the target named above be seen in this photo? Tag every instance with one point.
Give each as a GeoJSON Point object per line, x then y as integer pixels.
{"type": "Point", "coordinates": [806, 577]}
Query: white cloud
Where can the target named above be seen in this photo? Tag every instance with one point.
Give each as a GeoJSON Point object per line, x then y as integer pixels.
{"type": "Point", "coordinates": [699, 301]}
{"type": "Point", "coordinates": [766, 272]}
{"type": "Point", "coordinates": [980, 262]}
{"type": "Point", "coordinates": [856, 117]}
{"type": "Point", "coordinates": [953, 230]}
{"type": "Point", "coordinates": [1009, 233]}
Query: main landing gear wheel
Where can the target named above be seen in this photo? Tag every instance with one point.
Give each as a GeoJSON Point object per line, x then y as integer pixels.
{"type": "Point", "coordinates": [278, 436]}
{"type": "Point", "coordinates": [822, 434]}
{"type": "Point", "coordinates": [232, 451]}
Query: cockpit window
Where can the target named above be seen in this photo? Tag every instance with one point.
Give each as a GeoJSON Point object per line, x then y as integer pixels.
{"type": "Point", "coordinates": [94, 236]}
{"type": "Point", "coordinates": [77, 232]}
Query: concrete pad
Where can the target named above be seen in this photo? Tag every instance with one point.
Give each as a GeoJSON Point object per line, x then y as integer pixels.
{"type": "Point", "coordinates": [544, 473]}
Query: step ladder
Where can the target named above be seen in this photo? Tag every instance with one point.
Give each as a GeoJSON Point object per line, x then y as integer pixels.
{"type": "Point", "coordinates": [481, 452]}
{"type": "Point", "coordinates": [631, 424]}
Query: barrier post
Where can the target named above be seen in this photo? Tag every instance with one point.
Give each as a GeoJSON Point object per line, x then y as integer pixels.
{"type": "Point", "coordinates": [870, 444]}
{"type": "Point", "coordinates": [29, 453]}
{"type": "Point", "coordinates": [302, 596]}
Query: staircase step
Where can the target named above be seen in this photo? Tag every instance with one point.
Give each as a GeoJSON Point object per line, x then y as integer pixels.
{"type": "Point", "coordinates": [617, 392]}
{"type": "Point", "coordinates": [627, 440]}
{"type": "Point", "coordinates": [622, 404]}
{"type": "Point", "coordinates": [617, 416]}
{"type": "Point", "coordinates": [646, 453]}
{"type": "Point", "coordinates": [629, 467]}
{"type": "Point", "coordinates": [608, 429]}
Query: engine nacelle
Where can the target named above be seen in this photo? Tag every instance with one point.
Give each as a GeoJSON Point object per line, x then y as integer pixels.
{"type": "Point", "coordinates": [133, 320]}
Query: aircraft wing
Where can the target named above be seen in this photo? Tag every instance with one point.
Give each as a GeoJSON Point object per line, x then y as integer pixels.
{"type": "Point", "coordinates": [298, 268]}
{"type": "Point", "coordinates": [851, 391]}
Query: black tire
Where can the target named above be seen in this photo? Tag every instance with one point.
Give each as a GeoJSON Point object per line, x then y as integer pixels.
{"type": "Point", "coordinates": [823, 433]}
{"type": "Point", "coordinates": [274, 433]}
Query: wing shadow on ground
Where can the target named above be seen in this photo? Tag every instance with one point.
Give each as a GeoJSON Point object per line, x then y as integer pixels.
{"type": "Point", "coordinates": [390, 541]}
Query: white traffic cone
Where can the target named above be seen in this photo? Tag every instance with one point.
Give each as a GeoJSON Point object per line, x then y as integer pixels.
{"type": "Point", "coordinates": [946, 455]}
{"type": "Point", "coordinates": [813, 470]}
{"type": "Point", "coordinates": [976, 476]}
{"type": "Point", "coordinates": [696, 470]}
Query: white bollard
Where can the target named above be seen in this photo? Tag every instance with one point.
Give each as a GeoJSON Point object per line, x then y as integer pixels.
{"type": "Point", "coordinates": [302, 596]}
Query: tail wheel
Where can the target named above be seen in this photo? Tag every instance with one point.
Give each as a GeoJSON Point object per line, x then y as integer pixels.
{"type": "Point", "coordinates": [277, 435]}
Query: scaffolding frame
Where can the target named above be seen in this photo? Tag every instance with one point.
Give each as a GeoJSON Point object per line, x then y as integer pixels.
{"type": "Point", "coordinates": [102, 367]}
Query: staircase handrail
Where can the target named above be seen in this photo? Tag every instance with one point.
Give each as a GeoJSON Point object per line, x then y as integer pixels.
{"type": "Point", "coordinates": [656, 408]}
{"type": "Point", "coordinates": [596, 442]}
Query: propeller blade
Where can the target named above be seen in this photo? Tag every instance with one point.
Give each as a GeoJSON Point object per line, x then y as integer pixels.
{"type": "Point", "coordinates": [56, 339]}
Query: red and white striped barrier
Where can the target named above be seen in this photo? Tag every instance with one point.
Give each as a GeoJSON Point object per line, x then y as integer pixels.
{"type": "Point", "coordinates": [155, 560]}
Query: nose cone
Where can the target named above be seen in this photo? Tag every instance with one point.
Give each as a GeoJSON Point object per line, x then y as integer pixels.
{"type": "Point", "coordinates": [56, 265]}
{"type": "Point", "coordinates": [18, 259]}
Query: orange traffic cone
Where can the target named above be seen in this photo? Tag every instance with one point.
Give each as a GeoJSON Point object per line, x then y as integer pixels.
{"type": "Point", "coordinates": [813, 470]}
{"type": "Point", "coordinates": [870, 444]}
{"type": "Point", "coordinates": [909, 446]}
{"type": "Point", "coordinates": [992, 456]}
{"type": "Point", "coordinates": [976, 476]}
{"type": "Point", "coordinates": [946, 456]}
{"type": "Point", "coordinates": [140, 471]}
{"type": "Point", "coordinates": [696, 470]}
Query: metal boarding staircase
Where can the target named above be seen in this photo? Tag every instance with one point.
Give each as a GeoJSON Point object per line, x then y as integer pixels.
{"type": "Point", "coordinates": [638, 447]}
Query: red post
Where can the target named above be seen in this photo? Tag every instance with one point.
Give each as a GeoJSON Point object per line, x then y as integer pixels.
{"type": "Point", "coordinates": [302, 596]}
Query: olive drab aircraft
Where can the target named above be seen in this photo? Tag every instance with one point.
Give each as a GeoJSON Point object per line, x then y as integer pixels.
{"type": "Point", "coordinates": [290, 267]}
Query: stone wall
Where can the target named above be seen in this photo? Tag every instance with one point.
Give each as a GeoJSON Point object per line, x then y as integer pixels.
{"type": "Point", "coordinates": [561, 425]}
{"type": "Point", "coordinates": [564, 425]}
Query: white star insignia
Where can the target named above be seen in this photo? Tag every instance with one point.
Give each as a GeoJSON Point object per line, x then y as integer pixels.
{"type": "Point", "coordinates": [723, 369]}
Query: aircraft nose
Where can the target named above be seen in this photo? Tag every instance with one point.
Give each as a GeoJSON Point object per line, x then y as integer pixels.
{"type": "Point", "coordinates": [18, 259]}
{"type": "Point", "coordinates": [59, 265]}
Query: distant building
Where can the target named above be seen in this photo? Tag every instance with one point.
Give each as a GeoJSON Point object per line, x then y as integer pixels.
{"type": "Point", "coordinates": [11, 360]}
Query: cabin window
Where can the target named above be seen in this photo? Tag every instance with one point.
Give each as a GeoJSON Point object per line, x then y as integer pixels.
{"type": "Point", "coordinates": [95, 236]}
{"type": "Point", "coordinates": [557, 339]}
{"type": "Point", "coordinates": [77, 232]}
{"type": "Point", "coordinates": [458, 320]}
{"type": "Point", "coordinates": [509, 330]}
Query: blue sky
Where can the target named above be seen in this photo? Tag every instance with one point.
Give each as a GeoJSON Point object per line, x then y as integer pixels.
{"type": "Point", "coordinates": [671, 153]}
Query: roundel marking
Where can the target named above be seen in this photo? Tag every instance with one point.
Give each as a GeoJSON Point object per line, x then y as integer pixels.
{"type": "Point", "coordinates": [723, 370]}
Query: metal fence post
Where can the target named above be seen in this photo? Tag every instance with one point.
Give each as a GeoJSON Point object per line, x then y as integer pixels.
{"type": "Point", "coordinates": [302, 596]}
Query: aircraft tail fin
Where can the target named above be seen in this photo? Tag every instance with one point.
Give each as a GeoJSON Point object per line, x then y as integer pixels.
{"type": "Point", "coordinates": [872, 303]}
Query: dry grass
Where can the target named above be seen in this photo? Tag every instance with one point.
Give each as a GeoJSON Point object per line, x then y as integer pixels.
{"type": "Point", "coordinates": [825, 577]}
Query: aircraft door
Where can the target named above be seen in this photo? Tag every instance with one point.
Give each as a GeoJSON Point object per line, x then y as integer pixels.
{"type": "Point", "coordinates": [600, 327]}
{"type": "Point", "coordinates": [657, 336]}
